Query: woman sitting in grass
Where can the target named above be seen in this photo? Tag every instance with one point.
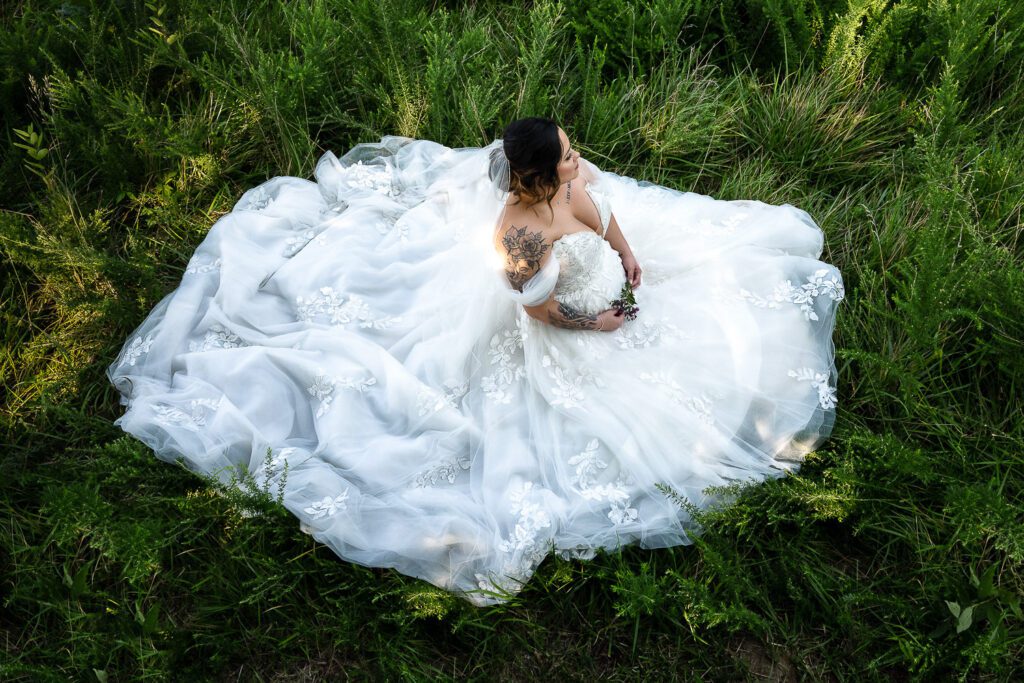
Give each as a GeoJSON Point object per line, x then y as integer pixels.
{"type": "Point", "coordinates": [454, 362]}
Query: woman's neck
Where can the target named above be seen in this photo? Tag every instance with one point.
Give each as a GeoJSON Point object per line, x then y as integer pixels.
{"type": "Point", "coordinates": [528, 199]}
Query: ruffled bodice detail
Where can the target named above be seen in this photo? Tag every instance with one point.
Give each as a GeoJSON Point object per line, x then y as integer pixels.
{"type": "Point", "coordinates": [590, 271]}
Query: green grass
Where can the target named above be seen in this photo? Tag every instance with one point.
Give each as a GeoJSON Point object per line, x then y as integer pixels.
{"type": "Point", "coordinates": [896, 553]}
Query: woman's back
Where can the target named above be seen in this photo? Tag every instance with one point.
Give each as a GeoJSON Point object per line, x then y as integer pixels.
{"type": "Point", "coordinates": [526, 234]}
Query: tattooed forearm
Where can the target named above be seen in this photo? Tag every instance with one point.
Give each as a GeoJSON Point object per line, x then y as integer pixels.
{"type": "Point", "coordinates": [569, 318]}
{"type": "Point", "coordinates": [525, 251]}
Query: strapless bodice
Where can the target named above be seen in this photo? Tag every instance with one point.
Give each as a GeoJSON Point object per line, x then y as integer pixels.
{"type": "Point", "coordinates": [590, 271]}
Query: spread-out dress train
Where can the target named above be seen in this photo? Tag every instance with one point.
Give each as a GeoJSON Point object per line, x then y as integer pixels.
{"type": "Point", "coordinates": [361, 329]}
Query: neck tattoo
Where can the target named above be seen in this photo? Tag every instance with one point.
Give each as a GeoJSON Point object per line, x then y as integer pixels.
{"type": "Point", "coordinates": [568, 191]}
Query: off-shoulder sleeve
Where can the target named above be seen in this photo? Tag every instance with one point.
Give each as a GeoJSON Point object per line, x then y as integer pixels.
{"type": "Point", "coordinates": [538, 288]}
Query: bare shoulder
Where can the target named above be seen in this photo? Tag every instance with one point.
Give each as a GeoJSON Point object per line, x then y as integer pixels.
{"type": "Point", "coordinates": [522, 248]}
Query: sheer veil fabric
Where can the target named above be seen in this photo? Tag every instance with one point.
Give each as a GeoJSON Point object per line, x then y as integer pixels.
{"type": "Point", "coordinates": [360, 327]}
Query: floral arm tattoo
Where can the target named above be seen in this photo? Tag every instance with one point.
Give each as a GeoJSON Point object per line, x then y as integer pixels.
{"type": "Point", "coordinates": [523, 261]}
{"type": "Point", "coordinates": [525, 251]}
{"type": "Point", "coordinates": [569, 318]}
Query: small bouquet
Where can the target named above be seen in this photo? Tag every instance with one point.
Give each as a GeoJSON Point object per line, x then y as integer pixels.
{"type": "Point", "coordinates": [626, 303]}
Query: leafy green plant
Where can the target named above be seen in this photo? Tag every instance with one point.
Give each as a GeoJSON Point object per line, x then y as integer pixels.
{"type": "Point", "coordinates": [34, 149]}
{"type": "Point", "coordinates": [987, 604]}
{"type": "Point", "coordinates": [157, 18]}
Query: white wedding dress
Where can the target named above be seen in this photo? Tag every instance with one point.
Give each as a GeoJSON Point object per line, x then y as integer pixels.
{"type": "Point", "coordinates": [362, 329]}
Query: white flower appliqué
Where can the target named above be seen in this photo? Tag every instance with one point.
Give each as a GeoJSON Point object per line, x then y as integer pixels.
{"type": "Point", "coordinates": [257, 200]}
{"type": "Point", "coordinates": [196, 267]}
{"type": "Point", "coordinates": [588, 465]}
{"type": "Point", "coordinates": [136, 349]}
{"type": "Point", "coordinates": [700, 405]}
{"type": "Point", "coordinates": [339, 310]}
{"type": "Point", "coordinates": [646, 333]}
{"type": "Point", "coordinates": [323, 387]}
{"type": "Point", "coordinates": [531, 520]}
{"type": "Point", "coordinates": [622, 514]}
{"type": "Point", "coordinates": [585, 270]}
{"type": "Point", "coordinates": [706, 227]}
{"type": "Point", "coordinates": [568, 390]}
{"type": "Point", "coordinates": [170, 416]}
{"type": "Point", "coordinates": [803, 296]}
{"type": "Point", "coordinates": [446, 470]}
{"type": "Point", "coordinates": [394, 222]}
{"type": "Point", "coordinates": [295, 243]}
{"type": "Point", "coordinates": [506, 360]}
{"type": "Point", "coordinates": [818, 380]}
{"type": "Point", "coordinates": [217, 337]}
{"type": "Point", "coordinates": [430, 400]}
{"type": "Point", "coordinates": [371, 177]}
{"type": "Point", "coordinates": [327, 506]}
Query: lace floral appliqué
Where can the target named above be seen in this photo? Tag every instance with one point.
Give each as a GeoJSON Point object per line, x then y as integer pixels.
{"type": "Point", "coordinates": [257, 200]}
{"type": "Point", "coordinates": [506, 359]}
{"type": "Point", "coordinates": [700, 405]}
{"type": "Point", "coordinates": [392, 221]}
{"type": "Point", "coordinates": [341, 310]}
{"type": "Point", "coordinates": [323, 388]}
{"type": "Point", "coordinates": [803, 296]}
{"type": "Point", "coordinates": [568, 389]}
{"type": "Point", "coordinates": [646, 333]}
{"type": "Point", "coordinates": [818, 380]}
{"type": "Point", "coordinates": [138, 347]}
{"type": "Point", "coordinates": [196, 267]}
{"type": "Point", "coordinates": [430, 400]}
{"type": "Point", "coordinates": [581, 277]}
{"type": "Point", "coordinates": [371, 177]}
{"type": "Point", "coordinates": [588, 465]}
{"type": "Point", "coordinates": [170, 416]}
{"type": "Point", "coordinates": [447, 470]}
{"type": "Point", "coordinates": [706, 227]}
{"type": "Point", "coordinates": [585, 339]}
{"type": "Point", "coordinates": [217, 337]}
{"type": "Point", "coordinates": [327, 506]}
{"type": "Point", "coordinates": [295, 243]}
{"type": "Point", "coordinates": [531, 520]}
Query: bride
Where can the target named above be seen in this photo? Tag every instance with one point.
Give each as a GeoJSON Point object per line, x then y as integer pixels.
{"type": "Point", "coordinates": [545, 166]}
{"type": "Point", "coordinates": [420, 352]}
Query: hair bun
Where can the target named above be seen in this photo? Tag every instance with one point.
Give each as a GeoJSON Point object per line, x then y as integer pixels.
{"type": "Point", "coordinates": [533, 150]}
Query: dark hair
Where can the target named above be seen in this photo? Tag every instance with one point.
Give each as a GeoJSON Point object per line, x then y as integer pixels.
{"type": "Point", "coordinates": [533, 151]}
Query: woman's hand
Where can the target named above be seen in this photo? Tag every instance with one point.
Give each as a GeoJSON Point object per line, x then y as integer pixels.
{"type": "Point", "coordinates": [632, 269]}
{"type": "Point", "coordinates": [609, 320]}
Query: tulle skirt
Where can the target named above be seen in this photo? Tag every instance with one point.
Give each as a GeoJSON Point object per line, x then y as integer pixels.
{"type": "Point", "coordinates": [347, 342]}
